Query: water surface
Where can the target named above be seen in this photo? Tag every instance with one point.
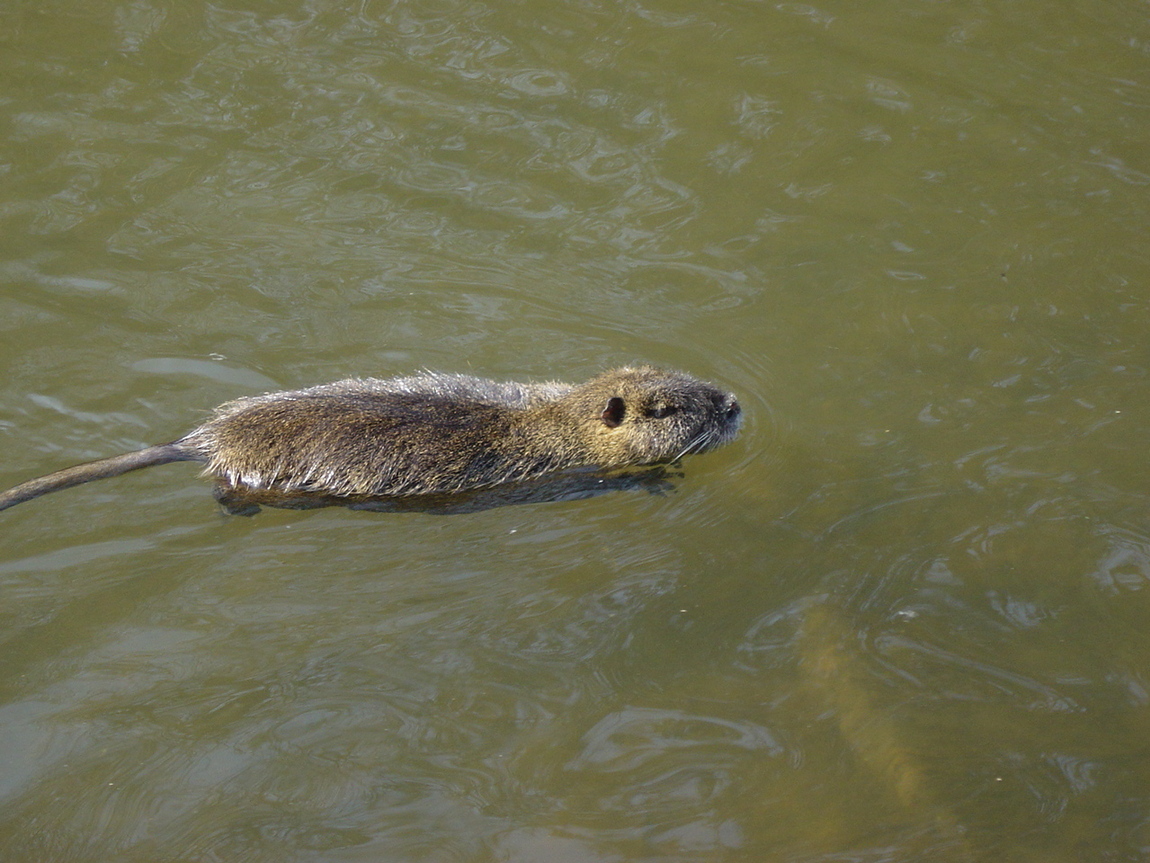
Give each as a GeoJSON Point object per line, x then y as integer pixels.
{"type": "Point", "coordinates": [903, 617]}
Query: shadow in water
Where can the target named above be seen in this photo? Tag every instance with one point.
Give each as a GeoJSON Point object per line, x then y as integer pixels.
{"type": "Point", "coordinates": [556, 487]}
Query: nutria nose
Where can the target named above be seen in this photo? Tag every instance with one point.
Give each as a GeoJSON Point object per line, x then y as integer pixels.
{"type": "Point", "coordinates": [725, 402]}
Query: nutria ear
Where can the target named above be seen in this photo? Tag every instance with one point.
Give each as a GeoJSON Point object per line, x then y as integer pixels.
{"type": "Point", "coordinates": [613, 414]}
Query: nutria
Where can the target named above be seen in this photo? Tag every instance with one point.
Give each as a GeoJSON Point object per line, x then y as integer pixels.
{"type": "Point", "coordinates": [430, 434]}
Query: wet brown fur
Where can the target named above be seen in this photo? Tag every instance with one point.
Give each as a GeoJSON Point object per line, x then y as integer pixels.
{"type": "Point", "coordinates": [432, 434]}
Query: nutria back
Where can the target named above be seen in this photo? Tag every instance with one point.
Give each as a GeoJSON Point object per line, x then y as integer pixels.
{"type": "Point", "coordinates": [432, 434]}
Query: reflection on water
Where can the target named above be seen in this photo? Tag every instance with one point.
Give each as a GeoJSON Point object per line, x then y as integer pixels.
{"type": "Point", "coordinates": [837, 678]}
{"type": "Point", "coordinates": [563, 486]}
{"type": "Point", "coordinates": [903, 617]}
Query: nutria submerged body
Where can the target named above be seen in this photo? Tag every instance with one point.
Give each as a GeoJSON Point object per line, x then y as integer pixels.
{"type": "Point", "coordinates": [431, 434]}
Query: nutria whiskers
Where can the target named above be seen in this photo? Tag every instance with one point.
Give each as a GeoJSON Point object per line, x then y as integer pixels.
{"type": "Point", "coordinates": [431, 434]}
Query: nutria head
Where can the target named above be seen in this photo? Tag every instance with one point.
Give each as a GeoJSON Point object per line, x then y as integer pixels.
{"type": "Point", "coordinates": [645, 415]}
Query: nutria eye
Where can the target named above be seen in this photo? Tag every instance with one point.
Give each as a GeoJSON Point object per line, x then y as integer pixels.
{"type": "Point", "coordinates": [661, 411]}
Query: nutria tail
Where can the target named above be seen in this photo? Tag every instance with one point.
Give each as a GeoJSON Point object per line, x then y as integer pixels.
{"type": "Point", "coordinates": [101, 469]}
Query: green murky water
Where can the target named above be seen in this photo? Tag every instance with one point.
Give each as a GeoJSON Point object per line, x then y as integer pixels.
{"type": "Point", "coordinates": [906, 616]}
